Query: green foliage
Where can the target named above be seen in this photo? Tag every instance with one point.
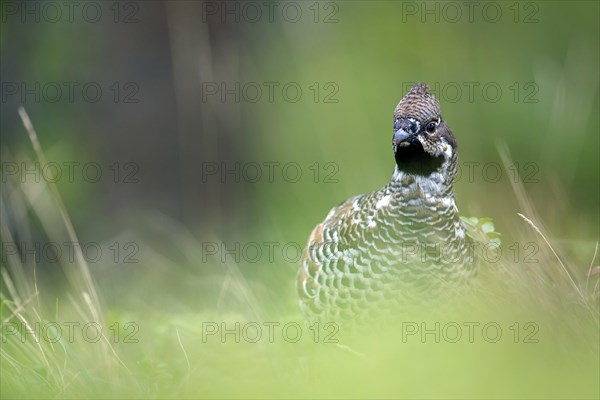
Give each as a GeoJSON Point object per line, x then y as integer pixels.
{"type": "Point", "coordinates": [482, 230]}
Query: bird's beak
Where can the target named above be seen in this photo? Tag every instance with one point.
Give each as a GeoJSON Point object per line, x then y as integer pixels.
{"type": "Point", "coordinates": [404, 131]}
{"type": "Point", "coordinates": [401, 138]}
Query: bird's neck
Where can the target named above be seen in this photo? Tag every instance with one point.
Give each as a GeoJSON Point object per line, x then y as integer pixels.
{"type": "Point", "coordinates": [439, 183]}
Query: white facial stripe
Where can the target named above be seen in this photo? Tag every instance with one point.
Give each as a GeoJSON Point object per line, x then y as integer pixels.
{"type": "Point", "coordinates": [446, 148]}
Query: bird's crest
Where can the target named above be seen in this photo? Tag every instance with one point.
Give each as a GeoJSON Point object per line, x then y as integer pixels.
{"type": "Point", "coordinates": [418, 103]}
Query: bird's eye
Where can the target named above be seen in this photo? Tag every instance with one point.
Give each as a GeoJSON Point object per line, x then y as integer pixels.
{"type": "Point", "coordinates": [430, 128]}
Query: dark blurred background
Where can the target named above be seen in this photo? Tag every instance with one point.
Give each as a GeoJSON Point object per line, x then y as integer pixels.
{"type": "Point", "coordinates": [167, 97]}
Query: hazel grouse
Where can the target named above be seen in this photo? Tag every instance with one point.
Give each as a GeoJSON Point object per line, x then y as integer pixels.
{"type": "Point", "coordinates": [400, 245]}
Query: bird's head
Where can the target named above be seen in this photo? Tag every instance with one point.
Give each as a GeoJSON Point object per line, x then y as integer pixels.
{"type": "Point", "coordinates": [422, 141]}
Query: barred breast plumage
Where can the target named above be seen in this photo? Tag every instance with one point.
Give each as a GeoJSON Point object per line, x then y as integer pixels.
{"type": "Point", "coordinates": [403, 244]}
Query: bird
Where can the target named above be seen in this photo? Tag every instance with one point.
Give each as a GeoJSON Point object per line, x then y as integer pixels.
{"type": "Point", "coordinates": [403, 244]}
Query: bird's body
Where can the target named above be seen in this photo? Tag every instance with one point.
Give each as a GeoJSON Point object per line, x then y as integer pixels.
{"type": "Point", "coordinates": [399, 245]}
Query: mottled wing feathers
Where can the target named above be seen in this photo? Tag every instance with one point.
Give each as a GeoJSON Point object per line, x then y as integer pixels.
{"type": "Point", "coordinates": [327, 243]}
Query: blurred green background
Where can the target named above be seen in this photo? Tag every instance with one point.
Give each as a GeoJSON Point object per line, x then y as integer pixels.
{"type": "Point", "coordinates": [188, 86]}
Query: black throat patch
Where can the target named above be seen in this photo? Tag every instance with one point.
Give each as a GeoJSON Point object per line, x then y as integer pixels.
{"type": "Point", "coordinates": [414, 160]}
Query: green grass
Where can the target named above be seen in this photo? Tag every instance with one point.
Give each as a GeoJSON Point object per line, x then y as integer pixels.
{"type": "Point", "coordinates": [155, 319]}
{"type": "Point", "coordinates": [163, 304]}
